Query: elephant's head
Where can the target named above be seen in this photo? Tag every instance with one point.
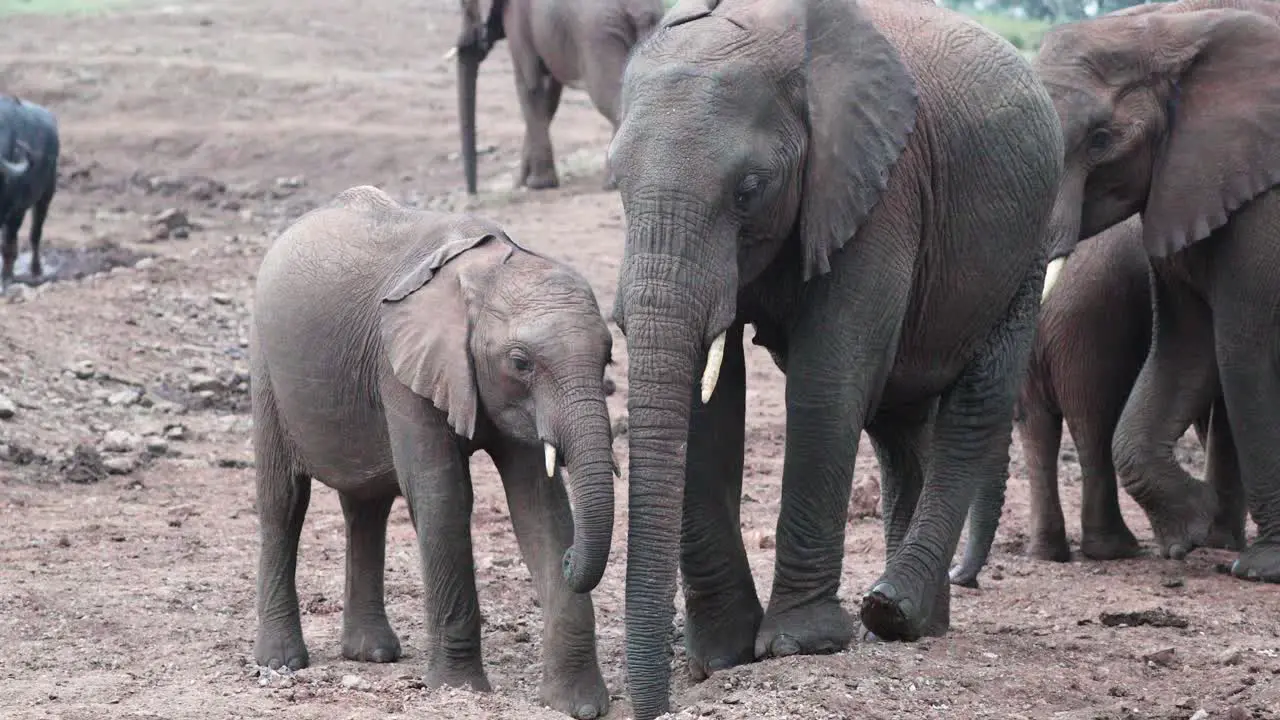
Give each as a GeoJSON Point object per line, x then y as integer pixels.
{"type": "Point", "coordinates": [740, 139]}
{"type": "Point", "coordinates": [1168, 110]}
{"type": "Point", "coordinates": [501, 338]}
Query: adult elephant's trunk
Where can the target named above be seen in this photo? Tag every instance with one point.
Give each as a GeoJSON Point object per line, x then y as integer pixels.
{"type": "Point", "coordinates": [663, 351]}
{"type": "Point", "coordinates": [468, 69]}
{"type": "Point", "coordinates": [588, 449]}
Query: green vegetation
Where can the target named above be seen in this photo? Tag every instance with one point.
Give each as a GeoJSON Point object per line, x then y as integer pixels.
{"type": "Point", "coordinates": [55, 7]}
{"type": "Point", "coordinates": [1023, 33]}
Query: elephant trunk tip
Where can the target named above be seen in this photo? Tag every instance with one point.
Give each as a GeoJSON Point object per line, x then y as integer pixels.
{"type": "Point", "coordinates": [578, 576]}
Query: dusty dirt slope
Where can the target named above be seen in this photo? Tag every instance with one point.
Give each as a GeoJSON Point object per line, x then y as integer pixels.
{"type": "Point", "coordinates": [192, 132]}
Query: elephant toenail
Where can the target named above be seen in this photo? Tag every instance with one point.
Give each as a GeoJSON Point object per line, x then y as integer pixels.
{"type": "Point", "coordinates": [885, 590]}
{"type": "Point", "coordinates": [784, 646]}
{"type": "Point", "coordinates": [587, 712]}
{"type": "Point", "coordinates": [1178, 551]}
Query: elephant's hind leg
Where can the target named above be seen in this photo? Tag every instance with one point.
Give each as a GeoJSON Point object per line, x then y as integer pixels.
{"type": "Point", "coordinates": [283, 495]}
{"type": "Point", "coordinates": [539, 95]}
{"type": "Point", "coordinates": [366, 632]}
{"type": "Point", "coordinates": [970, 448]}
{"type": "Point", "coordinates": [1040, 430]}
{"type": "Point", "coordinates": [1222, 472]}
{"type": "Point", "coordinates": [723, 609]}
{"type": "Point", "coordinates": [1177, 381]}
{"type": "Point", "coordinates": [571, 678]}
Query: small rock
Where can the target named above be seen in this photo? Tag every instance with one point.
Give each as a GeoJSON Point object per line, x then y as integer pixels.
{"type": "Point", "coordinates": [220, 298]}
{"type": "Point", "coordinates": [123, 397]}
{"type": "Point", "coordinates": [355, 682]}
{"type": "Point", "coordinates": [1238, 713]}
{"type": "Point", "coordinates": [84, 466]}
{"type": "Point", "coordinates": [291, 183]}
{"type": "Point", "coordinates": [144, 263]}
{"type": "Point", "coordinates": [156, 445]}
{"type": "Point", "coordinates": [1231, 656]}
{"type": "Point", "coordinates": [1200, 714]}
{"type": "Point", "coordinates": [203, 382]}
{"type": "Point", "coordinates": [83, 370]}
{"type": "Point", "coordinates": [120, 441]}
{"type": "Point", "coordinates": [610, 387]}
{"type": "Point", "coordinates": [1173, 581]}
{"type": "Point", "coordinates": [620, 426]}
{"type": "Point", "coordinates": [1164, 657]}
{"type": "Point", "coordinates": [8, 408]}
{"type": "Point", "coordinates": [176, 432]}
{"type": "Point", "coordinates": [865, 501]}
{"type": "Point", "coordinates": [120, 465]}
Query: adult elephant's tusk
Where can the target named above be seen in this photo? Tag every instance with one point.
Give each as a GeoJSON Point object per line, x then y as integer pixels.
{"type": "Point", "coordinates": [551, 458]}
{"type": "Point", "coordinates": [1051, 276]}
{"type": "Point", "coordinates": [453, 52]}
{"type": "Point", "coordinates": [715, 356]}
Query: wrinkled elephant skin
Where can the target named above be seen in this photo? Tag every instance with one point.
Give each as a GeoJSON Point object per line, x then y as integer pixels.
{"type": "Point", "coordinates": [1173, 112]}
{"type": "Point", "coordinates": [863, 208]}
{"type": "Point", "coordinates": [387, 346]}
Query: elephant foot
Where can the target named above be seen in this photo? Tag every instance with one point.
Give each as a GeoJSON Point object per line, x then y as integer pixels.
{"type": "Point", "coordinates": [280, 648]}
{"type": "Point", "coordinates": [1182, 518]}
{"type": "Point", "coordinates": [581, 695]}
{"type": "Point", "coordinates": [713, 646]}
{"type": "Point", "coordinates": [893, 615]}
{"type": "Point", "coordinates": [1259, 562]}
{"type": "Point", "coordinates": [466, 676]}
{"type": "Point", "coordinates": [1050, 548]}
{"type": "Point", "coordinates": [543, 180]}
{"type": "Point", "coordinates": [1116, 544]}
{"type": "Point", "coordinates": [966, 574]}
{"type": "Point", "coordinates": [370, 641]}
{"type": "Point", "coordinates": [818, 628]}
{"type": "Point", "coordinates": [1228, 530]}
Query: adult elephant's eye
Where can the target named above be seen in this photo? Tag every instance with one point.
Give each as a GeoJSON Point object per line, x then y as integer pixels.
{"type": "Point", "coordinates": [749, 190]}
{"type": "Point", "coordinates": [1099, 140]}
{"type": "Point", "coordinates": [521, 362]}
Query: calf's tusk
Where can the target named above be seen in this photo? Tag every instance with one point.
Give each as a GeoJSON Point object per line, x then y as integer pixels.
{"type": "Point", "coordinates": [551, 458]}
{"type": "Point", "coordinates": [715, 356]}
{"type": "Point", "coordinates": [453, 52]}
{"type": "Point", "coordinates": [1051, 276]}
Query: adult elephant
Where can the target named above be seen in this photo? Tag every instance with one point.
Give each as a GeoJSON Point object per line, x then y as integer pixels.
{"type": "Point", "coordinates": [1091, 342]}
{"type": "Point", "coordinates": [1174, 112]}
{"type": "Point", "coordinates": [866, 183]}
{"type": "Point", "coordinates": [579, 43]}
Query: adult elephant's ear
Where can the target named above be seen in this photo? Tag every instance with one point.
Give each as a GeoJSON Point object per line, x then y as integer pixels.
{"type": "Point", "coordinates": [426, 319]}
{"type": "Point", "coordinates": [861, 107]}
{"type": "Point", "coordinates": [685, 10]}
{"type": "Point", "coordinates": [1223, 146]}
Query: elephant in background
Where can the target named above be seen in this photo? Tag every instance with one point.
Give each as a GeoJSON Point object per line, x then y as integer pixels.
{"type": "Point", "coordinates": [846, 206]}
{"type": "Point", "coordinates": [1091, 342]}
{"type": "Point", "coordinates": [1173, 112]}
{"type": "Point", "coordinates": [387, 346]}
{"type": "Point", "coordinates": [579, 43]}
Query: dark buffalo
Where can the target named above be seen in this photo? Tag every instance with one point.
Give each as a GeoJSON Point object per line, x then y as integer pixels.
{"type": "Point", "coordinates": [28, 177]}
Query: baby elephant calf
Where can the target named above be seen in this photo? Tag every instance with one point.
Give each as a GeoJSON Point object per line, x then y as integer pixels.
{"type": "Point", "coordinates": [388, 345]}
{"type": "Point", "coordinates": [28, 178]}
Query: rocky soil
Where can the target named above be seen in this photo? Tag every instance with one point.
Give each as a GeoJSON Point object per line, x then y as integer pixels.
{"type": "Point", "coordinates": [192, 133]}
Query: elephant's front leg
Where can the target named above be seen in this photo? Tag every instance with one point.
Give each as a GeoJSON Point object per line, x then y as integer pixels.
{"type": "Point", "coordinates": [970, 449]}
{"type": "Point", "coordinates": [839, 354]}
{"type": "Point", "coordinates": [720, 596]}
{"type": "Point", "coordinates": [571, 679]}
{"type": "Point", "coordinates": [539, 95]}
{"type": "Point", "coordinates": [366, 633]}
{"type": "Point", "coordinates": [436, 482]}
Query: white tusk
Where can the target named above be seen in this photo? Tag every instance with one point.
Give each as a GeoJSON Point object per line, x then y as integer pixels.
{"type": "Point", "coordinates": [453, 52]}
{"type": "Point", "coordinates": [1051, 276]}
{"type": "Point", "coordinates": [551, 459]}
{"type": "Point", "coordinates": [715, 356]}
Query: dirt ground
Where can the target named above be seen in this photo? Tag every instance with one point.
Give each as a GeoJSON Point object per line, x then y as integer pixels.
{"type": "Point", "coordinates": [194, 132]}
